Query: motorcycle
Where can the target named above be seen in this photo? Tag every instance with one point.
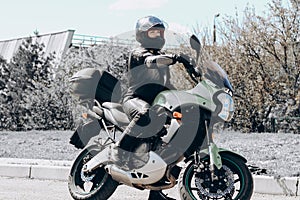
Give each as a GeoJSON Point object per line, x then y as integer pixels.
{"type": "Point", "coordinates": [183, 152]}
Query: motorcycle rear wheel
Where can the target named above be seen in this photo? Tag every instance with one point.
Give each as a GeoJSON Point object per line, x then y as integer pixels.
{"type": "Point", "coordinates": [234, 180]}
{"type": "Point", "coordinates": [97, 185]}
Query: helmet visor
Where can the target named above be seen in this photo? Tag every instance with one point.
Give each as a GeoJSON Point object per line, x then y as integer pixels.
{"type": "Point", "coordinates": [155, 32]}
{"type": "Point", "coordinates": [144, 24]}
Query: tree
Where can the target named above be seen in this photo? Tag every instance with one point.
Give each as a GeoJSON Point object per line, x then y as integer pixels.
{"type": "Point", "coordinates": [4, 77]}
{"type": "Point", "coordinates": [265, 69]}
{"type": "Point", "coordinates": [31, 99]}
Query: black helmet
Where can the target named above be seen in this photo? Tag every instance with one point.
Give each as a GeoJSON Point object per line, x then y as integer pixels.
{"type": "Point", "coordinates": [143, 25]}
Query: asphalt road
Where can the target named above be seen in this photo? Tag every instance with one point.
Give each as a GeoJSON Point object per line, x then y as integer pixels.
{"type": "Point", "coordinates": [29, 189]}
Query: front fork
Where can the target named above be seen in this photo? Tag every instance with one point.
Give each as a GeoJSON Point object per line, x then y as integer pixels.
{"type": "Point", "coordinates": [213, 152]}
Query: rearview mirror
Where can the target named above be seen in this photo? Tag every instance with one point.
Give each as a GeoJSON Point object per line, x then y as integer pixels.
{"type": "Point", "coordinates": [195, 43]}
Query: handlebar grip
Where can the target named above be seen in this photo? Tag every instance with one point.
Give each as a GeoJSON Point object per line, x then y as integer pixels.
{"type": "Point", "coordinates": [197, 72]}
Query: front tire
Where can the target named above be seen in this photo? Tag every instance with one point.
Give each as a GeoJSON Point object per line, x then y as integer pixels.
{"type": "Point", "coordinates": [234, 180]}
{"type": "Point", "coordinates": [97, 185]}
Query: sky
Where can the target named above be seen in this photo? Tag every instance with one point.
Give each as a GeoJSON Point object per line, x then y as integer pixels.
{"type": "Point", "coordinates": [111, 17]}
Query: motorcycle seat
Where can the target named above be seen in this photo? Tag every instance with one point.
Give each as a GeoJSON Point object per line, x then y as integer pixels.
{"type": "Point", "coordinates": [116, 114]}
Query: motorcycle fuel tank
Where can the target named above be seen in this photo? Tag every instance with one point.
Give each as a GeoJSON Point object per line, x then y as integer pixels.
{"type": "Point", "coordinates": [173, 99]}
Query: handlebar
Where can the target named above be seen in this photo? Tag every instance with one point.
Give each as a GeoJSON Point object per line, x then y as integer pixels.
{"type": "Point", "coordinates": [194, 74]}
{"type": "Point", "coordinates": [189, 64]}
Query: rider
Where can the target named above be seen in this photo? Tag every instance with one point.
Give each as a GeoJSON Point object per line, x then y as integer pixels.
{"type": "Point", "coordinates": [148, 75]}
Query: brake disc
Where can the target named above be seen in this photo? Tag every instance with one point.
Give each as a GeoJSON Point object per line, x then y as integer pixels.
{"type": "Point", "coordinates": [86, 177]}
{"type": "Point", "coordinates": [223, 187]}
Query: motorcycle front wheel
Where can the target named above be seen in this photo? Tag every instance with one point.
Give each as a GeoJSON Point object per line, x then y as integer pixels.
{"type": "Point", "coordinates": [233, 181]}
{"type": "Point", "coordinates": [97, 185]}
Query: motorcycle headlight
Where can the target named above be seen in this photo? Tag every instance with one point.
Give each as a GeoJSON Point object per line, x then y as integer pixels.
{"type": "Point", "coordinates": [226, 107]}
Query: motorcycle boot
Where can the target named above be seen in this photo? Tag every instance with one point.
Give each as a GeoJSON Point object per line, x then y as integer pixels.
{"type": "Point", "coordinates": [158, 195]}
{"type": "Point", "coordinates": [130, 152]}
{"type": "Point", "coordinates": [120, 151]}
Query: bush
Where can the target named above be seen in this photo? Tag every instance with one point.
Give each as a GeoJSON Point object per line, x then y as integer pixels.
{"type": "Point", "coordinates": [29, 97]}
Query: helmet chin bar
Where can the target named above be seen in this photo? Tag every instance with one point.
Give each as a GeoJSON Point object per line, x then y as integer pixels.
{"type": "Point", "coordinates": [153, 43]}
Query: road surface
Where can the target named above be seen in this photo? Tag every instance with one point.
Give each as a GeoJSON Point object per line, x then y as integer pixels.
{"type": "Point", "coordinates": [29, 189]}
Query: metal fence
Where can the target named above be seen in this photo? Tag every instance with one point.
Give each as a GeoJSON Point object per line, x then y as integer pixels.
{"type": "Point", "coordinates": [80, 40]}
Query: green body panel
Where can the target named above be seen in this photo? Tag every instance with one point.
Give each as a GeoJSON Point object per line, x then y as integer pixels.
{"type": "Point", "coordinates": [215, 154]}
{"type": "Point", "coordinates": [200, 95]}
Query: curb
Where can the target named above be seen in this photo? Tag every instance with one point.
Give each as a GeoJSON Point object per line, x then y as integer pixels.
{"type": "Point", "coordinates": [33, 168]}
{"type": "Point", "coordinates": [277, 185]}
{"type": "Point", "coordinates": [59, 170]}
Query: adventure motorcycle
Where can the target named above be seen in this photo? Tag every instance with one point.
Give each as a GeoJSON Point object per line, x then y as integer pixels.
{"type": "Point", "coordinates": [209, 172]}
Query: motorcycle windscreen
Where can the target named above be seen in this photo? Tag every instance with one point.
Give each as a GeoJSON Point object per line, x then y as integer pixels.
{"type": "Point", "coordinates": [213, 72]}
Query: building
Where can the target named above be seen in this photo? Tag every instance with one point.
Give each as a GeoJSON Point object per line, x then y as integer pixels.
{"type": "Point", "coordinates": [57, 43]}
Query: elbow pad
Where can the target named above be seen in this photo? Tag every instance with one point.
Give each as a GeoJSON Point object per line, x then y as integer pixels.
{"type": "Point", "coordinates": [160, 61]}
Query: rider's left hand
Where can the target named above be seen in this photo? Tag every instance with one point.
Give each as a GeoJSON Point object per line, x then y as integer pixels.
{"type": "Point", "coordinates": [197, 72]}
{"type": "Point", "coordinates": [186, 60]}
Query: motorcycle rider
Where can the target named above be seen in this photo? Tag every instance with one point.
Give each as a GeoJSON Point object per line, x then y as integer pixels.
{"type": "Point", "coordinates": [149, 75]}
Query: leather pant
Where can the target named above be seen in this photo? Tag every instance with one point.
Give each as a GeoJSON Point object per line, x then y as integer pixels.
{"type": "Point", "coordinates": [145, 121]}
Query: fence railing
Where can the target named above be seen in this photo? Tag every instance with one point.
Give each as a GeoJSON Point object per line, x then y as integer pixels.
{"type": "Point", "coordinates": [80, 40]}
{"type": "Point", "coordinates": [89, 40]}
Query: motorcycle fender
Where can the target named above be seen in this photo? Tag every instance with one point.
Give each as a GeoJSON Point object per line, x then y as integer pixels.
{"type": "Point", "coordinates": [223, 151]}
{"type": "Point", "coordinates": [216, 155]}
